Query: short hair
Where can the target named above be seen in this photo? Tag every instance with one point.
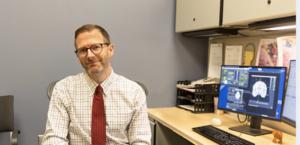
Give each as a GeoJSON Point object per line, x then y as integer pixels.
{"type": "Point", "coordinates": [91, 27]}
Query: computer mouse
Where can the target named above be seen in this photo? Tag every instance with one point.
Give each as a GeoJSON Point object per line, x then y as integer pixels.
{"type": "Point", "coordinates": [216, 121]}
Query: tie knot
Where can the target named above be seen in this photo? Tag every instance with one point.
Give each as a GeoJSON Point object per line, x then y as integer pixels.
{"type": "Point", "coordinates": [98, 90]}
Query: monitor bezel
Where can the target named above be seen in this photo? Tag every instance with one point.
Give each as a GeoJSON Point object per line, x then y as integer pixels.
{"type": "Point", "coordinates": [285, 119]}
{"type": "Point", "coordinates": [244, 113]}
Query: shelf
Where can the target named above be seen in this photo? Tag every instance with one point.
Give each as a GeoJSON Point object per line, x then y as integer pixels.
{"type": "Point", "coordinates": [192, 90]}
{"type": "Point", "coordinates": [187, 107]}
{"type": "Point", "coordinates": [193, 100]}
{"type": "Point", "coordinates": [186, 98]}
{"type": "Point", "coordinates": [198, 98]}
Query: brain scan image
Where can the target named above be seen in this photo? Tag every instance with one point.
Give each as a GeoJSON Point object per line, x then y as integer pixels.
{"type": "Point", "coordinates": [262, 90]}
{"type": "Point", "coordinates": [237, 95]}
{"type": "Point", "coordinates": [235, 98]}
{"type": "Point", "coordinates": [259, 88]}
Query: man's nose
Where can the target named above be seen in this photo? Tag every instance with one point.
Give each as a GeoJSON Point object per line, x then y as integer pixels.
{"type": "Point", "coordinates": [90, 53]}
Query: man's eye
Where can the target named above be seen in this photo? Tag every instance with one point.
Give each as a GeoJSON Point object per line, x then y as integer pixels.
{"type": "Point", "coordinates": [96, 48]}
{"type": "Point", "coordinates": [83, 50]}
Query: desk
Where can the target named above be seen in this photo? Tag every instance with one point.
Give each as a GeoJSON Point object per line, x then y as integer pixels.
{"type": "Point", "coordinates": [181, 122]}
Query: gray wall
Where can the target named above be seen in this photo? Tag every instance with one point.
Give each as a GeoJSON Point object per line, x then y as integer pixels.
{"type": "Point", "coordinates": [37, 47]}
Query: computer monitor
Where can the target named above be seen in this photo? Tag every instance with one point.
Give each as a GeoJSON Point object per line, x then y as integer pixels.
{"type": "Point", "coordinates": [289, 107]}
{"type": "Point", "coordinates": [255, 91]}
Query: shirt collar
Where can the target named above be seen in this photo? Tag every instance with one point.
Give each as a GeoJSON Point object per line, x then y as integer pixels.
{"type": "Point", "coordinates": [105, 84]}
{"type": "Point", "coordinates": [108, 81]}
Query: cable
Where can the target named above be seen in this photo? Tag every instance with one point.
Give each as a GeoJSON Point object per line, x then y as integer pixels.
{"type": "Point", "coordinates": [245, 120]}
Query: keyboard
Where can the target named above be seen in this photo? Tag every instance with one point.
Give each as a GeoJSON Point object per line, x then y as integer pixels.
{"type": "Point", "coordinates": [221, 137]}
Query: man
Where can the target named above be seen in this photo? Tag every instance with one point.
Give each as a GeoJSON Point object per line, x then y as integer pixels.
{"type": "Point", "coordinates": [98, 106]}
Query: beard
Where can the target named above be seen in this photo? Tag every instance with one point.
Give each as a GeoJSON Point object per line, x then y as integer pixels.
{"type": "Point", "coordinates": [98, 71]}
{"type": "Point", "coordinates": [95, 68]}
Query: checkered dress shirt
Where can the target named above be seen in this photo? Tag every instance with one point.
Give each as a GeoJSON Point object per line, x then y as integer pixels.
{"type": "Point", "coordinates": [69, 114]}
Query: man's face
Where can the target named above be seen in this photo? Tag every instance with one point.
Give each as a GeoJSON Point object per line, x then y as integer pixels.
{"type": "Point", "coordinates": [94, 62]}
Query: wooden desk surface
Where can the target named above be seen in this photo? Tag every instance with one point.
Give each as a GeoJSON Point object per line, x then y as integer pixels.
{"type": "Point", "coordinates": [182, 121]}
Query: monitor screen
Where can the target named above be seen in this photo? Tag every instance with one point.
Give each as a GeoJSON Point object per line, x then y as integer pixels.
{"type": "Point", "coordinates": [289, 107]}
{"type": "Point", "coordinates": [252, 90]}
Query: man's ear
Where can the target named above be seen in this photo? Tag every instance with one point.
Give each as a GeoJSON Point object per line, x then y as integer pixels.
{"type": "Point", "coordinates": [78, 59]}
{"type": "Point", "coordinates": [111, 49]}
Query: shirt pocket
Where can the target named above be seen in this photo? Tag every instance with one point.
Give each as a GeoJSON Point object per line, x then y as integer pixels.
{"type": "Point", "coordinates": [118, 120]}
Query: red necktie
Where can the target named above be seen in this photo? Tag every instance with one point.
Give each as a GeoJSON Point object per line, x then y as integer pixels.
{"type": "Point", "coordinates": [98, 118]}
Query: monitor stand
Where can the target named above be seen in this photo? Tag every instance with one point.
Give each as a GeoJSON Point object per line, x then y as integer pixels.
{"type": "Point", "coordinates": [254, 128]}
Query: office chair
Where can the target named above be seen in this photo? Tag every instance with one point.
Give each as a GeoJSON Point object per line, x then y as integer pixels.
{"type": "Point", "coordinates": [49, 94]}
{"type": "Point", "coordinates": [7, 118]}
{"type": "Point", "coordinates": [50, 88]}
{"type": "Point", "coordinates": [143, 87]}
{"type": "Point", "coordinates": [152, 123]}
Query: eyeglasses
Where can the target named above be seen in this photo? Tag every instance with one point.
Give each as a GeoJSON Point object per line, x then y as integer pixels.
{"type": "Point", "coordinates": [95, 48]}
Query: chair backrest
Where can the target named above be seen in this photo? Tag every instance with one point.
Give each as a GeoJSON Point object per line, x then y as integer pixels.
{"type": "Point", "coordinates": [50, 89]}
{"type": "Point", "coordinates": [143, 87]}
{"type": "Point", "coordinates": [6, 113]}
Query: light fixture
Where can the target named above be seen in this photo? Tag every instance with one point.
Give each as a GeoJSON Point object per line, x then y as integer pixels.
{"type": "Point", "coordinates": [288, 27]}
{"type": "Point", "coordinates": [212, 32]}
{"type": "Point", "coordinates": [279, 24]}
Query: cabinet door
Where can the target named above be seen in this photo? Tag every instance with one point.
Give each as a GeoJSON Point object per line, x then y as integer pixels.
{"type": "Point", "coordinates": [197, 14]}
{"type": "Point", "coordinates": [241, 12]}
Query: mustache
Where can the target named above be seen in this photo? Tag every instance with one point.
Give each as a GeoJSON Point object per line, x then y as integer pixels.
{"type": "Point", "coordinates": [92, 60]}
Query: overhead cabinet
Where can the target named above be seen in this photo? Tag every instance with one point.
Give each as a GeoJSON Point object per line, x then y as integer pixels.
{"type": "Point", "coordinates": [194, 15]}
{"type": "Point", "coordinates": [242, 12]}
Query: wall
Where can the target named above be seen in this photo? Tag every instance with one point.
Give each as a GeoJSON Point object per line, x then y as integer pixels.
{"type": "Point", "coordinates": [37, 47]}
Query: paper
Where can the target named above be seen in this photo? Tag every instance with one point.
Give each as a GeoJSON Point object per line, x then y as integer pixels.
{"type": "Point", "coordinates": [286, 50]}
{"type": "Point", "coordinates": [249, 54]}
{"type": "Point", "coordinates": [233, 54]}
{"type": "Point", "coordinates": [267, 54]}
{"type": "Point", "coordinates": [248, 58]}
{"type": "Point", "coordinates": [215, 60]}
